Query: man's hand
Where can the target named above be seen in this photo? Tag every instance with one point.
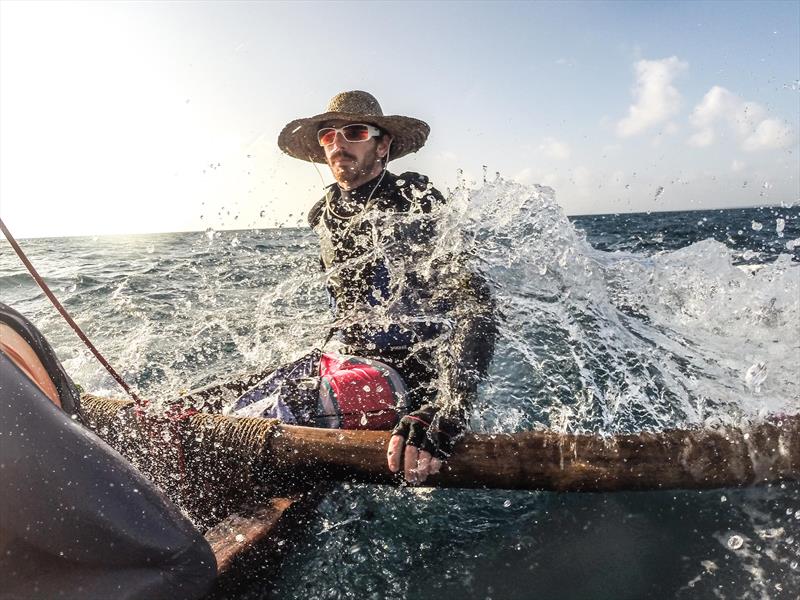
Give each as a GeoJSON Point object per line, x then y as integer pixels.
{"type": "Point", "coordinates": [422, 440]}
{"type": "Point", "coordinates": [418, 464]}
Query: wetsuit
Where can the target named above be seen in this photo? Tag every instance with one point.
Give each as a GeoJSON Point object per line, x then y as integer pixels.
{"type": "Point", "coordinates": [397, 295]}
{"type": "Point", "coordinates": [76, 519]}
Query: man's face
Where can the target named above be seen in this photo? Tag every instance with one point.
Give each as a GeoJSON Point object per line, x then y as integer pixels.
{"type": "Point", "coordinates": [354, 163]}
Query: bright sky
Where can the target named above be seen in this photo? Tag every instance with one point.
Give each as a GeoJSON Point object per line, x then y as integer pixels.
{"type": "Point", "coordinates": [141, 117]}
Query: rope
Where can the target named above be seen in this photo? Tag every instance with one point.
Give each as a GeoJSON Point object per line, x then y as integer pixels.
{"type": "Point", "coordinates": [246, 437]}
{"type": "Point", "coordinates": [101, 412]}
{"type": "Point", "coordinates": [46, 289]}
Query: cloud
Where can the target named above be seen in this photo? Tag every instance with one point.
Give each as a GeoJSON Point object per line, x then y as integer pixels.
{"type": "Point", "coordinates": [543, 177]}
{"type": "Point", "coordinates": [737, 166]}
{"type": "Point", "coordinates": [721, 113]}
{"type": "Point", "coordinates": [553, 148]}
{"type": "Point", "coordinates": [656, 99]}
{"type": "Point", "coordinates": [770, 133]}
{"type": "Point", "coordinates": [523, 176]}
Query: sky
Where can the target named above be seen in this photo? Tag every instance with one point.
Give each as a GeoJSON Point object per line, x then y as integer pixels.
{"type": "Point", "coordinates": [133, 117]}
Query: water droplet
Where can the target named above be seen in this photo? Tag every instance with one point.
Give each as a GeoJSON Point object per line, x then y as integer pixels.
{"type": "Point", "coordinates": [363, 419]}
{"type": "Point", "coordinates": [755, 376]}
{"type": "Point", "coordinates": [507, 503]}
{"type": "Point", "coordinates": [239, 538]}
{"type": "Point", "coordinates": [735, 542]}
{"type": "Point", "coordinates": [756, 226]}
{"type": "Point", "coordinates": [366, 388]}
{"type": "Point", "coordinates": [780, 224]}
{"type": "Point", "coordinates": [723, 499]}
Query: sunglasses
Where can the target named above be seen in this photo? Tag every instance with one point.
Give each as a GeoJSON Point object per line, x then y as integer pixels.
{"type": "Point", "coordinates": [356, 132]}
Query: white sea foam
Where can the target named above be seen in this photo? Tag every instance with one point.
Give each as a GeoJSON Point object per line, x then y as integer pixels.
{"type": "Point", "coordinates": [614, 341]}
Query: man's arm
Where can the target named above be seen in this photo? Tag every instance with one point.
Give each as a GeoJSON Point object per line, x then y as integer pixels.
{"type": "Point", "coordinates": [427, 436]}
{"type": "Point", "coordinates": [470, 348]}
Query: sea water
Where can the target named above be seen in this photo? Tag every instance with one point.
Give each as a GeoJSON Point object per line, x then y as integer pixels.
{"type": "Point", "coordinates": [609, 323]}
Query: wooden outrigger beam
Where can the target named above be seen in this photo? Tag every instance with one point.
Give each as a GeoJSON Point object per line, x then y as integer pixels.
{"type": "Point", "coordinates": [546, 460]}
{"type": "Point", "coordinates": [537, 460]}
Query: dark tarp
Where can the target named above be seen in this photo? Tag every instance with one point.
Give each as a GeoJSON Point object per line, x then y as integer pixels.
{"type": "Point", "coordinates": [76, 519]}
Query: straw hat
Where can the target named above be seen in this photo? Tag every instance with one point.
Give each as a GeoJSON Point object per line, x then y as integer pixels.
{"type": "Point", "coordinates": [299, 138]}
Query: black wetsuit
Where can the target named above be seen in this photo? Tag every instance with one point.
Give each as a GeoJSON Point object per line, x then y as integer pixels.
{"type": "Point", "coordinates": [76, 519]}
{"type": "Point", "coordinates": [393, 298]}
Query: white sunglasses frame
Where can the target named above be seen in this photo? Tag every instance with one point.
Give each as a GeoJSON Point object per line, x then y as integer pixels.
{"type": "Point", "coordinates": [371, 129]}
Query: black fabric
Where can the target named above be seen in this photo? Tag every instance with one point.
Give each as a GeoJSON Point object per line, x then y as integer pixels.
{"type": "Point", "coordinates": [399, 227]}
{"type": "Point", "coordinates": [431, 430]}
{"type": "Point", "coordinates": [76, 519]}
{"type": "Point", "coordinates": [67, 392]}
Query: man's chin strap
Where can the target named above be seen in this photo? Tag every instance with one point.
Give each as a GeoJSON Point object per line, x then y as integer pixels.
{"type": "Point", "coordinates": [383, 173]}
{"type": "Point", "coordinates": [321, 178]}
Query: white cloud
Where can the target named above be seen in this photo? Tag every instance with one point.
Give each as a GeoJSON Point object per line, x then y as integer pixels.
{"type": "Point", "coordinates": [523, 176]}
{"type": "Point", "coordinates": [769, 133]}
{"type": "Point", "coordinates": [721, 112]}
{"type": "Point", "coordinates": [656, 99]}
{"type": "Point", "coordinates": [544, 177]}
{"type": "Point", "coordinates": [553, 148]}
{"type": "Point", "coordinates": [553, 180]}
{"type": "Point", "coordinates": [703, 138]}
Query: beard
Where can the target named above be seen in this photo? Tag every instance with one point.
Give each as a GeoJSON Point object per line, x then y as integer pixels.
{"type": "Point", "coordinates": [352, 171]}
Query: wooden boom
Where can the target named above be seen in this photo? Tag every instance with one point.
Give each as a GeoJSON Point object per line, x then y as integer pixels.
{"type": "Point", "coordinates": [561, 462]}
{"type": "Point", "coordinates": [536, 460]}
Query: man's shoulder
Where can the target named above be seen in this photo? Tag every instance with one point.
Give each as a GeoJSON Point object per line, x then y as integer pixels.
{"type": "Point", "coordinates": [413, 179]}
{"type": "Point", "coordinates": [418, 188]}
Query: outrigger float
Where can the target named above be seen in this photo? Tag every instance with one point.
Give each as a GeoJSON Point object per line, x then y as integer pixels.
{"type": "Point", "coordinates": [251, 483]}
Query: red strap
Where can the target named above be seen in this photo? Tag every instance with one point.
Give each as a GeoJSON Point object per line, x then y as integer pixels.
{"type": "Point", "coordinates": [413, 418]}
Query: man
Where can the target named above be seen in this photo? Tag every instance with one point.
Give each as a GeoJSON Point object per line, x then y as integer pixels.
{"type": "Point", "coordinates": [398, 295]}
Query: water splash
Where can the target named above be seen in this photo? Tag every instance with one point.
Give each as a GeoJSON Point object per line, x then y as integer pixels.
{"type": "Point", "coordinates": [618, 341]}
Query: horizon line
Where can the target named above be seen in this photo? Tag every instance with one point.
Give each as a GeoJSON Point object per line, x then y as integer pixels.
{"type": "Point", "coordinates": [795, 204]}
